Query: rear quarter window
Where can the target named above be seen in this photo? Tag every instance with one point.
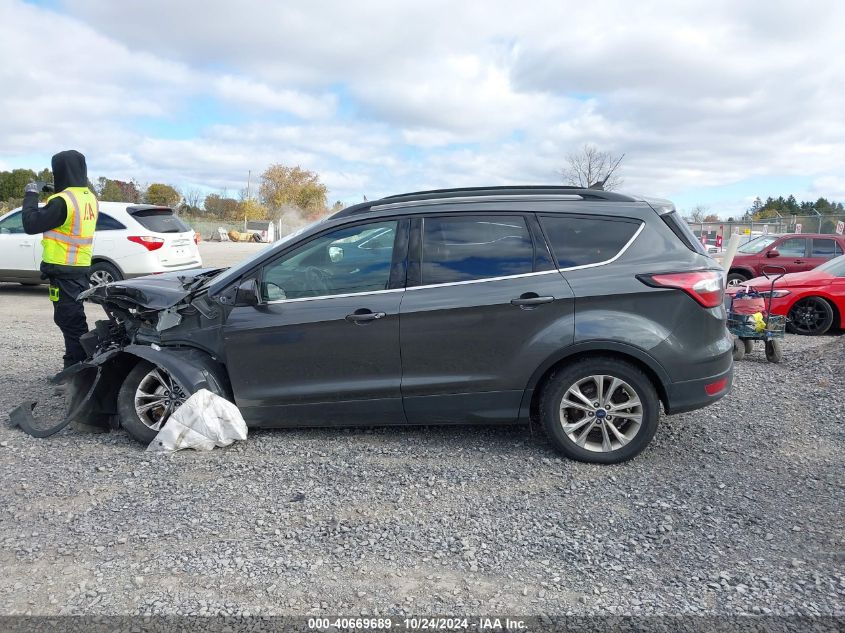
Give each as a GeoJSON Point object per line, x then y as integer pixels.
{"type": "Point", "coordinates": [107, 223]}
{"type": "Point", "coordinates": [159, 220]}
{"type": "Point", "coordinates": [581, 241]}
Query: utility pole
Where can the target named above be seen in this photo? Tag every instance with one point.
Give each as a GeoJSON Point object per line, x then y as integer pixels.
{"type": "Point", "coordinates": [246, 206]}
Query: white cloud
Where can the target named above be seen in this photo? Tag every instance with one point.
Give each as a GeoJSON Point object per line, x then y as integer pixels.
{"type": "Point", "coordinates": [381, 96]}
{"type": "Point", "coordinates": [257, 94]}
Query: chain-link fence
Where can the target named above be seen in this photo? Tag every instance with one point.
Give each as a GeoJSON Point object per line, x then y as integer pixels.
{"type": "Point", "coordinates": [716, 234]}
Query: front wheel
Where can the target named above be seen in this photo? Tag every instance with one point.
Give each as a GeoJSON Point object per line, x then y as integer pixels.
{"type": "Point", "coordinates": [600, 410]}
{"type": "Point", "coordinates": [774, 351]}
{"type": "Point", "coordinates": [147, 398]}
{"type": "Point", "coordinates": [739, 350]}
{"type": "Point", "coordinates": [812, 315]}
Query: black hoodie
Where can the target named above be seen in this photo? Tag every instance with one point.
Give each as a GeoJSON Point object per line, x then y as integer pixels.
{"type": "Point", "coordinates": [69, 170]}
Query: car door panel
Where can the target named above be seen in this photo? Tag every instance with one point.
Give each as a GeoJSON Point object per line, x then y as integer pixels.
{"type": "Point", "coordinates": [468, 352]}
{"type": "Point", "coordinates": [792, 255]}
{"type": "Point", "coordinates": [20, 254]}
{"type": "Point", "coordinates": [470, 347]}
{"type": "Point", "coordinates": [322, 348]}
{"type": "Point", "coordinates": [296, 363]}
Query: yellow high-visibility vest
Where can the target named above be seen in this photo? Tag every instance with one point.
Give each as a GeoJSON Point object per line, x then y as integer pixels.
{"type": "Point", "coordinates": [71, 244]}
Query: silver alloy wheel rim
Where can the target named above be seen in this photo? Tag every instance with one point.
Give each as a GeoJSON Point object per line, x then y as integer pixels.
{"type": "Point", "coordinates": [601, 413]}
{"type": "Point", "coordinates": [157, 397]}
{"type": "Point", "coordinates": [734, 282]}
{"type": "Point", "coordinates": [101, 278]}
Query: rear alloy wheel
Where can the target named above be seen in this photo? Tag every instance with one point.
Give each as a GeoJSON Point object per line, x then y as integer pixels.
{"type": "Point", "coordinates": [600, 410]}
{"type": "Point", "coordinates": [147, 398]}
{"type": "Point", "coordinates": [811, 315]}
{"type": "Point", "coordinates": [102, 273]}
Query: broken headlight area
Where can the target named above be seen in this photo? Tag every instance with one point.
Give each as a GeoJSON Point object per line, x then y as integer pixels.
{"type": "Point", "coordinates": [140, 310]}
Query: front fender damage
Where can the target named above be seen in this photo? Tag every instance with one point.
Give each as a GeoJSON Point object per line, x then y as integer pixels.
{"type": "Point", "coordinates": [92, 386]}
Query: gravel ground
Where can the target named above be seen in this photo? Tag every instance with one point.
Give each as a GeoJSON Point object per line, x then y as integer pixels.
{"type": "Point", "coordinates": [733, 509]}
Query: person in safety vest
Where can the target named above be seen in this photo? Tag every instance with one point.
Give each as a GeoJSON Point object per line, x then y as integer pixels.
{"type": "Point", "coordinates": [67, 221]}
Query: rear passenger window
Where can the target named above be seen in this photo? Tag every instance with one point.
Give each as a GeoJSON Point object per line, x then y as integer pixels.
{"type": "Point", "coordinates": [825, 248]}
{"type": "Point", "coordinates": [580, 241]}
{"type": "Point", "coordinates": [107, 223]}
{"type": "Point", "coordinates": [475, 247]}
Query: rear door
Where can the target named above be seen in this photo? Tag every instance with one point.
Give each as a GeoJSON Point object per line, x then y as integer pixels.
{"type": "Point", "coordinates": [323, 346]}
{"type": "Point", "coordinates": [821, 250]}
{"type": "Point", "coordinates": [483, 308]}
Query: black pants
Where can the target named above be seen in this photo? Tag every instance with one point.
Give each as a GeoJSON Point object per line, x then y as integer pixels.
{"type": "Point", "coordinates": [69, 314]}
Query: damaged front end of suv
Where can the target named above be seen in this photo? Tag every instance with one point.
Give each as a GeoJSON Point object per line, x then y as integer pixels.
{"type": "Point", "coordinates": [167, 322]}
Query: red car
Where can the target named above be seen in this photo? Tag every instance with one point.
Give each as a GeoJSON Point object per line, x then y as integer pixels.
{"type": "Point", "coordinates": [813, 301]}
{"type": "Point", "coordinates": [796, 252]}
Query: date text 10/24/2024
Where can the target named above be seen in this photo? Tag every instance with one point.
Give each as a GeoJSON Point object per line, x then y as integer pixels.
{"type": "Point", "coordinates": [418, 624]}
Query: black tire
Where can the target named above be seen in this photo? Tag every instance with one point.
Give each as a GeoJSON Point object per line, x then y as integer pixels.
{"type": "Point", "coordinates": [774, 351]}
{"type": "Point", "coordinates": [129, 418]}
{"type": "Point", "coordinates": [749, 345]}
{"type": "Point", "coordinates": [581, 371]}
{"type": "Point", "coordinates": [811, 316]}
{"type": "Point", "coordinates": [102, 273]}
{"type": "Point", "coordinates": [739, 350]}
{"type": "Point", "coordinates": [735, 279]}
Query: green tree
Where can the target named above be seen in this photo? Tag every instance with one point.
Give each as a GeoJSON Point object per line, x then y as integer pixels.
{"type": "Point", "coordinates": [220, 207]}
{"type": "Point", "coordinates": [251, 209]}
{"type": "Point", "coordinates": [161, 194]}
{"type": "Point", "coordinates": [12, 183]}
{"type": "Point", "coordinates": [117, 190]}
{"type": "Point", "coordinates": [282, 185]}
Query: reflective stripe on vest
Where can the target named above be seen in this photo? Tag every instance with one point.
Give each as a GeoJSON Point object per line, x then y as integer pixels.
{"type": "Point", "coordinates": [71, 244]}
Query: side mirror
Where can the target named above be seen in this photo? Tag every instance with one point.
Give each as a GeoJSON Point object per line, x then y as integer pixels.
{"type": "Point", "coordinates": [773, 253]}
{"type": "Point", "coordinates": [248, 294]}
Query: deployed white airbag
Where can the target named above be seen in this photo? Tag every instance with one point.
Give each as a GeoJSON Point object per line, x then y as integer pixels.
{"type": "Point", "coordinates": [204, 421]}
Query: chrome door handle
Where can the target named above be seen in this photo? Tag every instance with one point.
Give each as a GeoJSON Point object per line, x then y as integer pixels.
{"type": "Point", "coordinates": [530, 299]}
{"type": "Point", "coordinates": [360, 316]}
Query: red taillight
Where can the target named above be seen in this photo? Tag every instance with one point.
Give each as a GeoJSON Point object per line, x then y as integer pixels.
{"type": "Point", "coordinates": [716, 387]}
{"type": "Point", "coordinates": [705, 286]}
{"type": "Point", "coordinates": [150, 243]}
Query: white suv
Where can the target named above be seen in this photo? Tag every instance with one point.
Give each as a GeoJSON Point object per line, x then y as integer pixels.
{"type": "Point", "coordinates": [131, 240]}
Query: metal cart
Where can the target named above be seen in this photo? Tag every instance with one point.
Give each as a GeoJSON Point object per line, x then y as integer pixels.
{"type": "Point", "coordinates": [746, 329]}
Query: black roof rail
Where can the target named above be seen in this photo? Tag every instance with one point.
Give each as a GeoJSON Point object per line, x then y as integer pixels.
{"type": "Point", "coordinates": [513, 190]}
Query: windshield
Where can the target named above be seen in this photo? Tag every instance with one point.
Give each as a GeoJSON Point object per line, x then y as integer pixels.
{"type": "Point", "coordinates": [835, 266]}
{"type": "Point", "coordinates": [757, 244]}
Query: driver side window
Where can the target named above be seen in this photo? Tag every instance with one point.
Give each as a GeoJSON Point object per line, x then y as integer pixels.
{"type": "Point", "coordinates": [345, 261]}
{"type": "Point", "coordinates": [13, 224]}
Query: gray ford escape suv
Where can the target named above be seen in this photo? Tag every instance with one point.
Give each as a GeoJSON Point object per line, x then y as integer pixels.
{"type": "Point", "coordinates": [584, 309]}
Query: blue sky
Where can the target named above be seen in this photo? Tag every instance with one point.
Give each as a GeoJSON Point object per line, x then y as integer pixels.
{"type": "Point", "coordinates": [712, 103]}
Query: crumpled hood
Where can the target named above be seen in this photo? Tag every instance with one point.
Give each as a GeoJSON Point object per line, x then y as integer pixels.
{"type": "Point", "coordinates": [69, 170]}
{"type": "Point", "coordinates": [155, 292]}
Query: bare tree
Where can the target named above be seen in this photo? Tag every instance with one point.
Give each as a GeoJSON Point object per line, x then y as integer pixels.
{"type": "Point", "coordinates": [193, 197]}
{"type": "Point", "coordinates": [697, 213]}
{"type": "Point", "coordinates": [591, 167]}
